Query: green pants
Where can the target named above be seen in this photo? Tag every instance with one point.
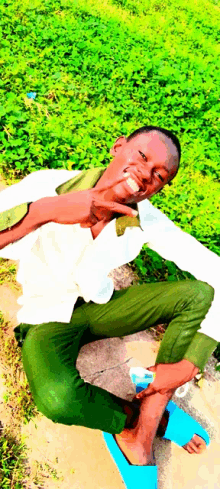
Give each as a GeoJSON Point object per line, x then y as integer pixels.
{"type": "Point", "coordinates": [50, 350]}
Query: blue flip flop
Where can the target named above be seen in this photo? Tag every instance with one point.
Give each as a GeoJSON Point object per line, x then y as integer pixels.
{"type": "Point", "coordinates": [144, 476]}
{"type": "Point", "coordinates": [181, 426]}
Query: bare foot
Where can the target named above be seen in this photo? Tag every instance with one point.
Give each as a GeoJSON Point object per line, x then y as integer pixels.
{"type": "Point", "coordinates": [136, 441]}
{"type": "Point", "coordinates": [195, 445]}
{"type": "Point", "coordinates": [134, 451]}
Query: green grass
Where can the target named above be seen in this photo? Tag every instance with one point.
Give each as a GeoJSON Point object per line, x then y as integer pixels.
{"type": "Point", "coordinates": [8, 272]}
{"type": "Point", "coordinates": [13, 460]}
{"type": "Point", "coordinates": [14, 469]}
{"type": "Point", "coordinates": [18, 395]}
{"type": "Point", "coordinates": [21, 408]}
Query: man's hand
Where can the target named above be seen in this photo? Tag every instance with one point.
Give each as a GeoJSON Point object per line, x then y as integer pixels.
{"type": "Point", "coordinates": [86, 207]}
{"type": "Point", "coordinates": [169, 376]}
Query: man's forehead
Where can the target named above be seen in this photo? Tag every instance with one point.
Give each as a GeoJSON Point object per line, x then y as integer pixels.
{"type": "Point", "coordinates": [150, 141]}
{"type": "Point", "coordinates": [157, 145]}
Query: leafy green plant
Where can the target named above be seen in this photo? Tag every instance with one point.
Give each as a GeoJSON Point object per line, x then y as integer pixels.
{"type": "Point", "coordinates": [152, 268]}
{"type": "Point", "coordinates": [96, 78]}
{"type": "Point", "coordinates": [216, 354]}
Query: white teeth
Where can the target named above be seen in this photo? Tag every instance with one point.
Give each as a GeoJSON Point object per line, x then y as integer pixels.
{"type": "Point", "coordinates": [132, 184]}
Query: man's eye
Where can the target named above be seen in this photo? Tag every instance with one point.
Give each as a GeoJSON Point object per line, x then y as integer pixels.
{"type": "Point", "coordinates": [159, 176]}
{"type": "Point", "coordinates": [145, 158]}
{"type": "Point", "coordinates": [142, 154]}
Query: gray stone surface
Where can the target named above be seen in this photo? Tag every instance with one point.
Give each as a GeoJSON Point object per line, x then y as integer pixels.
{"type": "Point", "coordinates": [104, 363]}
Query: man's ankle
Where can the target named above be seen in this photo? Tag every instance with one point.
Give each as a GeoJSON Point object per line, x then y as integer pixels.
{"type": "Point", "coordinates": [161, 430]}
{"type": "Point", "coordinates": [132, 409]}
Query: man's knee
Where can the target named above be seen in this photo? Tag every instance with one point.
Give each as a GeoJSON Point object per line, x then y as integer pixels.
{"type": "Point", "coordinates": [58, 403]}
{"type": "Point", "coordinates": [196, 291]}
{"type": "Point", "coordinates": [56, 394]}
{"type": "Point", "coordinates": [205, 293]}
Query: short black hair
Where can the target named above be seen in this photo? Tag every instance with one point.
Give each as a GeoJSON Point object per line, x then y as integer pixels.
{"type": "Point", "coordinates": [167, 133]}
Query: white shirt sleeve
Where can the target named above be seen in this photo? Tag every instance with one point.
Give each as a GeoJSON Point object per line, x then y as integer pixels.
{"type": "Point", "coordinates": [35, 186]}
{"type": "Point", "coordinates": [173, 244]}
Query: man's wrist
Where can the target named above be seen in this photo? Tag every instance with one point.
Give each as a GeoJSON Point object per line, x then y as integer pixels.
{"type": "Point", "coordinates": [189, 366]}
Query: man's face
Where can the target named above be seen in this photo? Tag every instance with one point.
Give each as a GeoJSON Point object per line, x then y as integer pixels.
{"type": "Point", "coordinates": [150, 158]}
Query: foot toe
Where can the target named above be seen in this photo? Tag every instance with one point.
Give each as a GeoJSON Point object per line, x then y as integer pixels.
{"type": "Point", "coordinates": [199, 441]}
{"type": "Point", "coordinates": [195, 445]}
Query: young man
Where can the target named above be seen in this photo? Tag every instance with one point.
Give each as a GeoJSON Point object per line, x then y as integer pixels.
{"type": "Point", "coordinates": [65, 229]}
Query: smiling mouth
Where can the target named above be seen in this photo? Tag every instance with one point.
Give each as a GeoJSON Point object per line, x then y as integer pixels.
{"type": "Point", "coordinates": [132, 184]}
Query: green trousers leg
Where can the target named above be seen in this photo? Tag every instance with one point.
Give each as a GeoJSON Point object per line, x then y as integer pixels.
{"type": "Point", "coordinates": [50, 350]}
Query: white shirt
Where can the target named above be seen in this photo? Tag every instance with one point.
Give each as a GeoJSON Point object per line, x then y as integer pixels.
{"type": "Point", "coordinates": [60, 262]}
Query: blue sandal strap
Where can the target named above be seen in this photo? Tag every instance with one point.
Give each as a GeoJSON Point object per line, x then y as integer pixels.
{"type": "Point", "coordinates": [181, 426]}
{"type": "Point", "coordinates": [144, 476]}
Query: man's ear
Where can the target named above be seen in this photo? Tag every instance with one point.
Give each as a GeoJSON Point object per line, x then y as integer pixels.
{"type": "Point", "coordinates": [118, 145]}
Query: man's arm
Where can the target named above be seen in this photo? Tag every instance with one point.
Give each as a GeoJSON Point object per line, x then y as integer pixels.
{"type": "Point", "coordinates": [23, 219]}
{"type": "Point", "coordinates": [169, 376]}
{"type": "Point", "coordinates": [19, 208]}
{"type": "Point", "coordinates": [26, 224]}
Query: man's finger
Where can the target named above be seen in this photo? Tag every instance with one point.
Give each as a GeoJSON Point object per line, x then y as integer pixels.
{"type": "Point", "coordinates": [115, 207]}
{"type": "Point", "coordinates": [142, 394]}
{"type": "Point", "coordinates": [146, 392]}
{"type": "Point", "coordinates": [110, 184]}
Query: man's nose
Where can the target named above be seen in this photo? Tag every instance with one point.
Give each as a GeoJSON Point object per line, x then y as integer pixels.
{"type": "Point", "coordinates": [145, 173]}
